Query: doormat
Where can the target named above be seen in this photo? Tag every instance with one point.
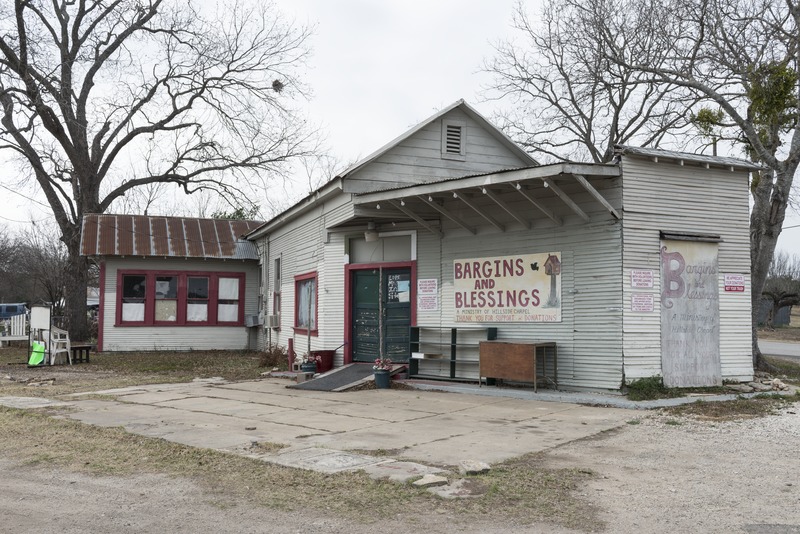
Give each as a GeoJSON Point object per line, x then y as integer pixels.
{"type": "Point", "coordinates": [345, 376]}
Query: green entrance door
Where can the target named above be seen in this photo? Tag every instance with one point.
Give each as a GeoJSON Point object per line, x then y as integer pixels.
{"type": "Point", "coordinates": [381, 314]}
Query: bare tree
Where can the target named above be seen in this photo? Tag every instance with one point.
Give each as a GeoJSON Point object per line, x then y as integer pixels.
{"type": "Point", "coordinates": [569, 101]}
{"type": "Point", "coordinates": [739, 55]}
{"type": "Point", "coordinates": [782, 287]}
{"type": "Point", "coordinates": [98, 98]}
{"type": "Point", "coordinates": [43, 262]}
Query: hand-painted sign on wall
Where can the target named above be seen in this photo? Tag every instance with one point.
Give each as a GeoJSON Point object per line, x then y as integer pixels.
{"type": "Point", "coordinates": [690, 314]}
{"type": "Point", "coordinates": [523, 288]}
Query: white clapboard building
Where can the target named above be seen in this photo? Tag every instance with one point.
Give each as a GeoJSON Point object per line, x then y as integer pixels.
{"type": "Point", "coordinates": [451, 235]}
{"type": "Point", "coordinates": [173, 283]}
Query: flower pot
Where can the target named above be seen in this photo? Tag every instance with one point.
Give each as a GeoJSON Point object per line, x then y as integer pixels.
{"type": "Point", "coordinates": [325, 362]}
{"type": "Point", "coordinates": [308, 367]}
{"type": "Point", "coordinates": [382, 379]}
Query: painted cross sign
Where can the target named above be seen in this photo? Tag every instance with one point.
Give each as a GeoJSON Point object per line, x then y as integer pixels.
{"type": "Point", "coordinates": [690, 314]}
{"type": "Point", "coordinates": [523, 288]}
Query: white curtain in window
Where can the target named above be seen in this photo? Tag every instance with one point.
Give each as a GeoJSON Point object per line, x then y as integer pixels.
{"type": "Point", "coordinates": [229, 289]}
{"type": "Point", "coordinates": [228, 313]}
{"type": "Point", "coordinates": [133, 311]}
{"type": "Point", "coordinates": [197, 312]}
{"type": "Point", "coordinates": [307, 305]}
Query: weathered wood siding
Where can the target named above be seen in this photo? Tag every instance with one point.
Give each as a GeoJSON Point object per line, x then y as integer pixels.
{"type": "Point", "coordinates": [418, 159]}
{"type": "Point", "coordinates": [142, 338]}
{"type": "Point", "coordinates": [670, 197]}
{"type": "Point", "coordinates": [590, 333]}
{"type": "Point", "coordinates": [304, 245]}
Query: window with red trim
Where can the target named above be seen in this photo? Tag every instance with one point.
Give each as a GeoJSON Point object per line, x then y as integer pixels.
{"type": "Point", "coordinates": [180, 298]}
{"type": "Point", "coordinates": [305, 303]}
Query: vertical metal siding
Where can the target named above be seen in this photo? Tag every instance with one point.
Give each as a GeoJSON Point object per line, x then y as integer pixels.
{"type": "Point", "coordinates": [306, 245]}
{"type": "Point", "coordinates": [589, 335]}
{"type": "Point", "coordinates": [670, 197]}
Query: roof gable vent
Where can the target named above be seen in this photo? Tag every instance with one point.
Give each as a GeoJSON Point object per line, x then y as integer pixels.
{"type": "Point", "coordinates": [454, 134]}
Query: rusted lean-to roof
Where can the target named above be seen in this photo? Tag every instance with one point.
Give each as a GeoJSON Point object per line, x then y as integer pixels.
{"type": "Point", "coordinates": [183, 237]}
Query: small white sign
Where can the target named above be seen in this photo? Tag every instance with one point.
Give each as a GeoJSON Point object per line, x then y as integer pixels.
{"type": "Point", "coordinates": [642, 302]}
{"type": "Point", "coordinates": [734, 283]}
{"type": "Point", "coordinates": [641, 278]}
{"type": "Point", "coordinates": [428, 294]}
{"type": "Point", "coordinates": [427, 286]}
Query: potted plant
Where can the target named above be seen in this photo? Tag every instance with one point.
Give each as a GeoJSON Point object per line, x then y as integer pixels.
{"type": "Point", "coordinates": [382, 368]}
{"type": "Point", "coordinates": [308, 363]}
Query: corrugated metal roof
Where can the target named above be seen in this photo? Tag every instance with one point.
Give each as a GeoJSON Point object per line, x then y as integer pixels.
{"type": "Point", "coordinates": [687, 156]}
{"type": "Point", "coordinates": [184, 237]}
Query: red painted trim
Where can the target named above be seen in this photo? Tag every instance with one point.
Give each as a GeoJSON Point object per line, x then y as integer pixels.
{"type": "Point", "coordinates": [300, 278]}
{"type": "Point", "coordinates": [102, 307]}
{"type": "Point", "coordinates": [348, 315]}
{"type": "Point", "coordinates": [348, 296]}
{"type": "Point", "coordinates": [183, 286]}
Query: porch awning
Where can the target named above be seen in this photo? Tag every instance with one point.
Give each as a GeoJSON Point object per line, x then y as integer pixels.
{"type": "Point", "coordinates": [500, 199]}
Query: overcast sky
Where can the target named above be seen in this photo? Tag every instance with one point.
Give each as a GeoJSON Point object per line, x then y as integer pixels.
{"type": "Point", "coordinates": [379, 67]}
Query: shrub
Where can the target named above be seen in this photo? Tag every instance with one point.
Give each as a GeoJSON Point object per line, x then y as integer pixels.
{"type": "Point", "coordinates": [274, 356]}
{"type": "Point", "coordinates": [647, 389]}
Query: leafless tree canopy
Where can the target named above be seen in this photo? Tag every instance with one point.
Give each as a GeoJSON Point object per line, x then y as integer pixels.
{"type": "Point", "coordinates": [33, 266]}
{"type": "Point", "coordinates": [570, 102]}
{"type": "Point", "coordinates": [100, 97]}
{"type": "Point", "coordinates": [600, 72]}
{"type": "Point", "coordinates": [742, 56]}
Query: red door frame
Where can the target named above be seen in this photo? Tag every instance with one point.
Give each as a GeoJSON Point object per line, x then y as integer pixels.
{"type": "Point", "coordinates": [348, 297]}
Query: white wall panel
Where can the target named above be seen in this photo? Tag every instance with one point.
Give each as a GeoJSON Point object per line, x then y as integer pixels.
{"type": "Point", "coordinates": [142, 338]}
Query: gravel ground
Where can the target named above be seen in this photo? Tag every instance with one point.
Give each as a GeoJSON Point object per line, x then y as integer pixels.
{"type": "Point", "coordinates": [669, 474]}
{"type": "Point", "coordinates": [664, 474]}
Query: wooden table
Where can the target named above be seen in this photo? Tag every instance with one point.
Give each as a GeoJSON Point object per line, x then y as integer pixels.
{"type": "Point", "coordinates": [80, 351]}
{"type": "Point", "coordinates": [516, 361]}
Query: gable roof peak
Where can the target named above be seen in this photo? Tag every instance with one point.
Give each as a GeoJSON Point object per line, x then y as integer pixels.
{"type": "Point", "coordinates": [469, 111]}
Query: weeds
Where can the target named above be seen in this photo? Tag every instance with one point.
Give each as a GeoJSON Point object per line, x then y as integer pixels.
{"type": "Point", "coordinates": [274, 356]}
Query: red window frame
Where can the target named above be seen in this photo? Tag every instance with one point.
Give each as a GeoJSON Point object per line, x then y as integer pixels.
{"type": "Point", "coordinates": [302, 278]}
{"type": "Point", "coordinates": [149, 301]}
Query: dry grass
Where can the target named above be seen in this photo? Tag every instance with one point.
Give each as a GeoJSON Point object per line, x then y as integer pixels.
{"type": "Point", "coordinates": [514, 493]}
{"type": "Point", "coordinates": [787, 334]}
{"type": "Point", "coordinates": [786, 368]}
{"type": "Point", "coordinates": [113, 370]}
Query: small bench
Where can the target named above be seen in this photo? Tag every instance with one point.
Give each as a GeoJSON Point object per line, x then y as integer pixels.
{"type": "Point", "coordinates": [80, 352]}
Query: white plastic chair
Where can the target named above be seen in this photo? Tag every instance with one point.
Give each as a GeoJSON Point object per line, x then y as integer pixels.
{"type": "Point", "coordinates": [59, 342]}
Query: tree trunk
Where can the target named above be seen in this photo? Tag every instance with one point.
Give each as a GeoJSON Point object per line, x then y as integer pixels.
{"type": "Point", "coordinates": [766, 221]}
{"type": "Point", "coordinates": [76, 281]}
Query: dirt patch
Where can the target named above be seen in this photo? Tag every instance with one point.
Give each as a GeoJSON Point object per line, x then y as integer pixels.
{"type": "Point", "coordinates": [513, 496]}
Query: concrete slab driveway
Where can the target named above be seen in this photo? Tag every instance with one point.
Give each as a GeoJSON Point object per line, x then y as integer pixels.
{"type": "Point", "coordinates": [424, 426]}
